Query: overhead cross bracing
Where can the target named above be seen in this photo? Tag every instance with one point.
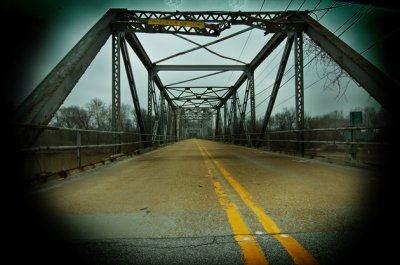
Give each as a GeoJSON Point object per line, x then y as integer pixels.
{"type": "Point", "coordinates": [122, 24]}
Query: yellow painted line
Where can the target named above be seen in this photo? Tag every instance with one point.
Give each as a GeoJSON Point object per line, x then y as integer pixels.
{"type": "Point", "coordinates": [299, 254]}
{"type": "Point", "coordinates": [251, 251]}
{"type": "Point", "coordinates": [175, 22]}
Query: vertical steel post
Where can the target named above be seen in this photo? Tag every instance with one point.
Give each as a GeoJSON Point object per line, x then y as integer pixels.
{"type": "Point", "coordinates": [78, 149]}
{"type": "Point", "coordinates": [299, 90]}
{"type": "Point", "coordinates": [217, 118]}
{"type": "Point", "coordinates": [225, 113]}
{"type": "Point", "coordinates": [177, 124]}
{"type": "Point", "coordinates": [149, 102]}
{"type": "Point", "coordinates": [116, 90]}
{"type": "Point", "coordinates": [163, 117]}
{"type": "Point", "coordinates": [252, 104]}
{"type": "Point", "coordinates": [234, 109]}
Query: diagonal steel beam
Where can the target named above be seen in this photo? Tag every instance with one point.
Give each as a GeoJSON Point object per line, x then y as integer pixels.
{"type": "Point", "coordinates": [137, 47]}
{"type": "Point", "coordinates": [40, 106]}
{"type": "Point", "coordinates": [375, 82]}
{"type": "Point", "coordinates": [210, 51]}
{"type": "Point", "coordinates": [268, 48]}
{"type": "Point", "coordinates": [203, 46]}
{"type": "Point", "coordinates": [132, 86]}
{"type": "Point", "coordinates": [277, 84]}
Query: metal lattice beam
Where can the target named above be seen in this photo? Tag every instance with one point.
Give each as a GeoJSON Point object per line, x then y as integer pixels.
{"type": "Point", "coordinates": [217, 122]}
{"type": "Point", "coordinates": [299, 89]}
{"type": "Point", "coordinates": [116, 89]}
{"type": "Point", "coordinates": [252, 102]}
{"type": "Point", "coordinates": [41, 105]}
{"type": "Point", "coordinates": [206, 23]}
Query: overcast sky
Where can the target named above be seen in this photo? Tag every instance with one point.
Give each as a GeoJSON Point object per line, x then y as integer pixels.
{"type": "Point", "coordinates": [63, 23]}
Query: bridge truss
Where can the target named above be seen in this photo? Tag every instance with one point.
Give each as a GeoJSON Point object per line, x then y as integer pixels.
{"type": "Point", "coordinates": [179, 104]}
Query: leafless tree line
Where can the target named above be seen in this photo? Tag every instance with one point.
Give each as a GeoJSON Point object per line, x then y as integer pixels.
{"type": "Point", "coordinates": [95, 115]}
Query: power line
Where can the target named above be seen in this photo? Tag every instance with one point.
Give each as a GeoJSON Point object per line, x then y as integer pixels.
{"type": "Point", "coordinates": [301, 5]}
{"type": "Point", "coordinates": [244, 46]}
{"type": "Point", "coordinates": [315, 56]}
{"type": "Point", "coordinates": [248, 36]}
{"type": "Point", "coordinates": [317, 4]}
{"type": "Point", "coordinates": [288, 5]}
{"type": "Point", "coordinates": [355, 21]}
{"type": "Point", "coordinates": [380, 40]}
{"type": "Point", "coordinates": [351, 17]}
{"type": "Point", "coordinates": [327, 10]}
{"type": "Point", "coordinates": [352, 24]}
{"type": "Point", "coordinates": [331, 7]}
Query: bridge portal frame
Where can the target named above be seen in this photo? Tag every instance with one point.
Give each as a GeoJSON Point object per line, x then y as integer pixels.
{"type": "Point", "coordinates": [122, 24]}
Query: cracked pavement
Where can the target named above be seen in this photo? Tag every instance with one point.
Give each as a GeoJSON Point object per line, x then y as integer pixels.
{"type": "Point", "coordinates": [161, 208]}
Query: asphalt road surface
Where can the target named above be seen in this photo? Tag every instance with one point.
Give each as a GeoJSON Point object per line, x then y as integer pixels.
{"type": "Point", "coordinates": [202, 202]}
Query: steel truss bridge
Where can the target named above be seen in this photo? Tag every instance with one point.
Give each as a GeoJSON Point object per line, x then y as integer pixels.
{"type": "Point", "coordinates": [179, 105]}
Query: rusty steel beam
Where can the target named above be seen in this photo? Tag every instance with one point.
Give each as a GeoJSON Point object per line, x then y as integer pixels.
{"type": "Point", "coordinates": [40, 106]}
{"type": "Point", "coordinates": [132, 87]}
{"type": "Point", "coordinates": [277, 85]}
{"type": "Point", "coordinates": [374, 81]}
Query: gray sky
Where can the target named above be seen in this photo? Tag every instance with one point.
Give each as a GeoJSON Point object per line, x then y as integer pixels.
{"type": "Point", "coordinates": [67, 21]}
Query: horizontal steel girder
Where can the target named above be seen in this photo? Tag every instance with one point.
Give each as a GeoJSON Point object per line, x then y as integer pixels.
{"type": "Point", "coordinates": [186, 67]}
{"type": "Point", "coordinates": [206, 23]}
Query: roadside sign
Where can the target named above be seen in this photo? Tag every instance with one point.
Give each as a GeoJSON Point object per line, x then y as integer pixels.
{"type": "Point", "coordinates": [356, 118]}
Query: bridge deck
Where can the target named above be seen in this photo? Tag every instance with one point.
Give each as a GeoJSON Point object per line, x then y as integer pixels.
{"type": "Point", "coordinates": [202, 202]}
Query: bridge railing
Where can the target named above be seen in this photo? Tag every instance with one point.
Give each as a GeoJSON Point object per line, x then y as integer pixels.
{"type": "Point", "coordinates": [45, 150]}
{"type": "Point", "coordinates": [347, 144]}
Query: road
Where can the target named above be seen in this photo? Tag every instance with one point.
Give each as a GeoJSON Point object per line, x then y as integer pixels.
{"type": "Point", "coordinates": [202, 202]}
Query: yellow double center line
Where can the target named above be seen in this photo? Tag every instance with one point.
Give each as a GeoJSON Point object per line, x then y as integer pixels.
{"type": "Point", "coordinates": [298, 253]}
{"type": "Point", "coordinates": [252, 252]}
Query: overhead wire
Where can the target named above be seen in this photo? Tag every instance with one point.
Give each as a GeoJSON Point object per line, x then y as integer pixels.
{"type": "Point", "coordinates": [245, 44]}
{"type": "Point", "coordinates": [287, 71]}
{"type": "Point", "coordinates": [266, 67]}
{"type": "Point", "coordinates": [207, 49]}
{"type": "Point", "coordinates": [203, 46]}
{"type": "Point", "coordinates": [380, 40]}
{"type": "Point", "coordinates": [315, 56]}
{"type": "Point", "coordinates": [288, 5]}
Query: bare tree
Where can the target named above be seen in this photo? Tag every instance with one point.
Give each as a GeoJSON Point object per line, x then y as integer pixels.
{"type": "Point", "coordinates": [336, 76]}
{"type": "Point", "coordinates": [127, 118]}
{"type": "Point", "coordinates": [100, 114]}
{"type": "Point", "coordinates": [284, 120]}
{"type": "Point", "coordinates": [72, 117]}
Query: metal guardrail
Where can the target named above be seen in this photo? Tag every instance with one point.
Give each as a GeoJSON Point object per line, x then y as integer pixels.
{"type": "Point", "coordinates": [58, 149]}
{"type": "Point", "coordinates": [255, 136]}
{"type": "Point", "coordinates": [361, 144]}
{"type": "Point", "coordinates": [159, 138]}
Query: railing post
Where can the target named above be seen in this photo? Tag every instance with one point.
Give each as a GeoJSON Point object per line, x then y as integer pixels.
{"type": "Point", "coordinates": [78, 149]}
